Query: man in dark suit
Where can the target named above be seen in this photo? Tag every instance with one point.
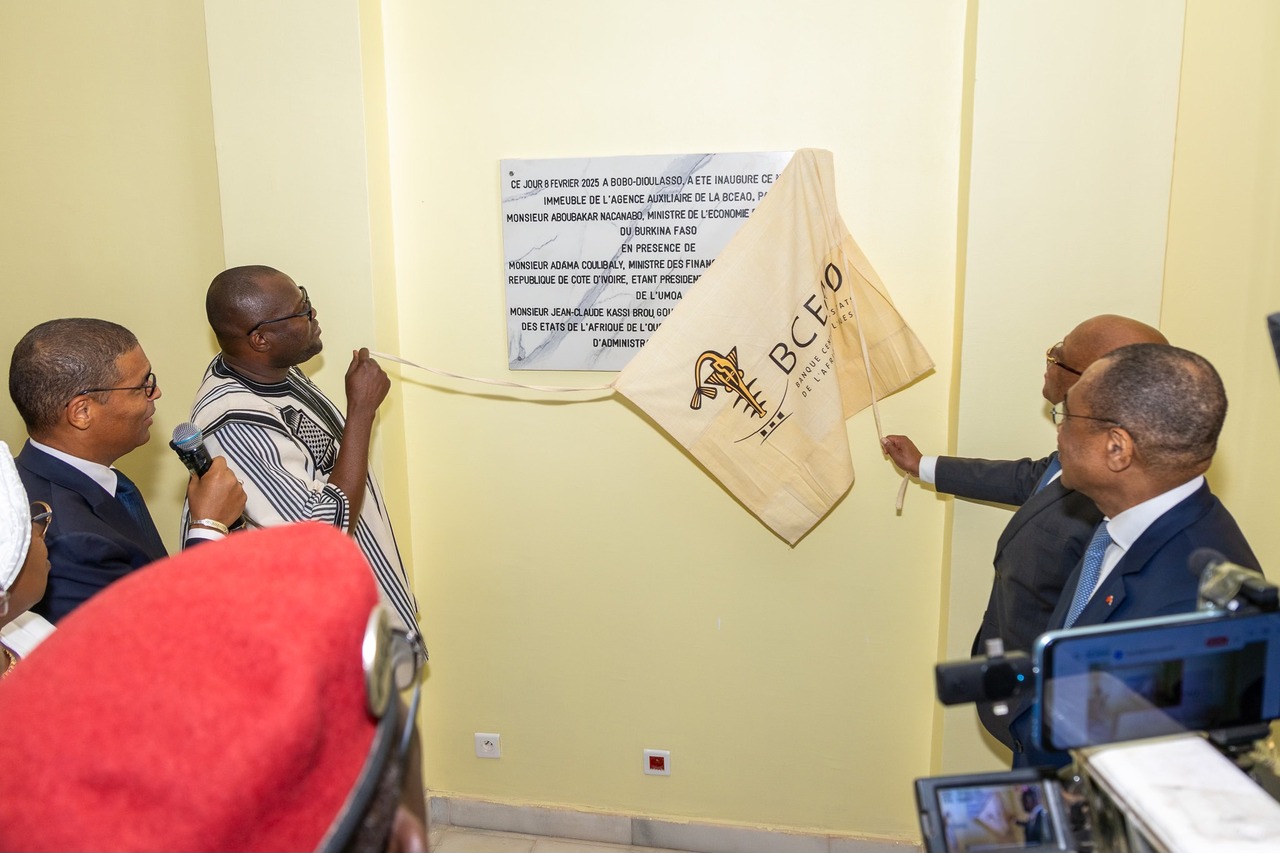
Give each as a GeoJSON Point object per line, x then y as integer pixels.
{"type": "Point", "coordinates": [86, 392]}
{"type": "Point", "coordinates": [1047, 535]}
{"type": "Point", "coordinates": [1136, 434]}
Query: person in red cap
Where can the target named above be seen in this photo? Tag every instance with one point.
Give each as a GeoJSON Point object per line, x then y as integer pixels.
{"type": "Point", "coordinates": [239, 696]}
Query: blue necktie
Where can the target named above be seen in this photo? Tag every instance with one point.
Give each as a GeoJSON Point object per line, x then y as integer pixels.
{"type": "Point", "coordinates": [1089, 573]}
{"type": "Point", "coordinates": [1054, 467]}
{"type": "Point", "coordinates": [129, 496]}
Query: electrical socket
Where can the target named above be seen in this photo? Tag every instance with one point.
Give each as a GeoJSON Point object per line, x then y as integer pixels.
{"type": "Point", "coordinates": [657, 762]}
{"type": "Point", "coordinates": [488, 745]}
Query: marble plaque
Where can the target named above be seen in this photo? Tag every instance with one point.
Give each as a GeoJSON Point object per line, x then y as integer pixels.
{"type": "Point", "coordinates": [598, 250]}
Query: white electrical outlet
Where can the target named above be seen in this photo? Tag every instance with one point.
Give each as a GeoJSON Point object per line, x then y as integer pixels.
{"type": "Point", "coordinates": [488, 745]}
{"type": "Point", "coordinates": [657, 762]}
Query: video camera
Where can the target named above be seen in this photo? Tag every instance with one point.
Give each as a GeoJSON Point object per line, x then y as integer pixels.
{"type": "Point", "coordinates": [1111, 694]}
{"type": "Point", "coordinates": [1216, 670]}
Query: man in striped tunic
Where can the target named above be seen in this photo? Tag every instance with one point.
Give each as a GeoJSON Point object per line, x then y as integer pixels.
{"type": "Point", "coordinates": [299, 458]}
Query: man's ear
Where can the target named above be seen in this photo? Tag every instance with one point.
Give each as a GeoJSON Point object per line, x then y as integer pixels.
{"type": "Point", "coordinates": [79, 413]}
{"type": "Point", "coordinates": [258, 342]}
{"type": "Point", "coordinates": [1120, 449]}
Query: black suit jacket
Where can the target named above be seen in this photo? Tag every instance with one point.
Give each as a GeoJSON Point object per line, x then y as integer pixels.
{"type": "Point", "coordinates": [1151, 579]}
{"type": "Point", "coordinates": [93, 540]}
{"type": "Point", "coordinates": [1036, 553]}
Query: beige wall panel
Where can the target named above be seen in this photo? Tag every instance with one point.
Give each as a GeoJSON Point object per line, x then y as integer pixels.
{"type": "Point", "coordinates": [1073, 118]}
{"type": "Point", "coordinates": [1223, 274]}
{"type": "Point", "coordinates": [591, 591]}
{"type": "Point", "coordinates": [111, 197]}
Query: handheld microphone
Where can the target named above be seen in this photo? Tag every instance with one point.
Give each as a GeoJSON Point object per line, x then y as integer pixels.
{"type": "Point", "coordinates": [188, 443]}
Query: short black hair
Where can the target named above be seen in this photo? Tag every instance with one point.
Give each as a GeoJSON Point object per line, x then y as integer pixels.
{"type": "Point", "coordinates": [60, 358]}
{"type": "Point", "coordinates": [1170, 400]}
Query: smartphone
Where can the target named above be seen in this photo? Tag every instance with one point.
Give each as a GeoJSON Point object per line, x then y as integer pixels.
{"type": "Point", "coordinates": [1150, 677]}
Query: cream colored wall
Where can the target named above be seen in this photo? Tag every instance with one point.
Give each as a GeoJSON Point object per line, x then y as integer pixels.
{"type": "Point", "coordinates": [302, 166]}
{"type": "Point", "coordinates": [1074, 107]}
{"type": "Point", "coordinates": [1223, 268]}
{"type": "Point", "coordinates": [110, 205]}
{"type": "Point", "coordinates": [590, 592]}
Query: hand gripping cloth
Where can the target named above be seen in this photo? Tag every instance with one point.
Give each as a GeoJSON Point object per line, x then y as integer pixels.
{"type": "Point", "coordinates": [785, 336]}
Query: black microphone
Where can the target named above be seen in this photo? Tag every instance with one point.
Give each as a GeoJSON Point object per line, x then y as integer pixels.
{"type": "Point", "coordinates": [188, 443]}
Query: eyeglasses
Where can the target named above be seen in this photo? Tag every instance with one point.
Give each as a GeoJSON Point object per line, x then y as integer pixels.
{"type": "Point", "coordinates": [148, 387]}
{"type": "Point", "coordinates": [1050, 355]}
{"type": "Point", "coordinates": [305, 312]}
{"type": "Point", "coordinates": [1060, 417]}
{"type": "Point", "coordinates": [41, 516]}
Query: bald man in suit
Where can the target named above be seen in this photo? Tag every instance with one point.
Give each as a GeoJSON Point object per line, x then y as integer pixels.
{"type": "Point", "coordinates": [1137, 434]}
{"type": "Point", "coordinates": [1046, 536]}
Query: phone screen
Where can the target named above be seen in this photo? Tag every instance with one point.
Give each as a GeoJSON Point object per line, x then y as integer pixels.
{"type": "Point", "coordinates": [1147, 678]}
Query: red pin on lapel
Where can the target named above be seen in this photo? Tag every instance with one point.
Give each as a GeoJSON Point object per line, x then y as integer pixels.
{"type": "Point", "coordinates": [1109, 599]}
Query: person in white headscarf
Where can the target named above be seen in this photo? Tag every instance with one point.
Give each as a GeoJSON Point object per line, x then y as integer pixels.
{"type": "Point", "coordinates": [24, 566]}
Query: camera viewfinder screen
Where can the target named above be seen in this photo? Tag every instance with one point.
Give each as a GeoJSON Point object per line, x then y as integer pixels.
{"type": "Point", "coordinates": [995, 817]}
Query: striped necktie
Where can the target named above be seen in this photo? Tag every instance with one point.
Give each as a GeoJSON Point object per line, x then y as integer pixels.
{"type": "Point", "coordinates": [1089, 573]}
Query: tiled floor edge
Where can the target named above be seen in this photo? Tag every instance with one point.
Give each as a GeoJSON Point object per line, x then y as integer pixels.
{"type": "Point", "coordinates": [700, 837]}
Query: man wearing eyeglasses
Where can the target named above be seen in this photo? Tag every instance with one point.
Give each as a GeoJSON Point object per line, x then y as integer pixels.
{"type": "Point", "coordinates": [300, 457]}
{"type": "Point", "coordinates": [1046, 536]}
{"type": "Point", "coordinates": [86, 393]}
{"type": "Point", "coordinates": [1136, 434]}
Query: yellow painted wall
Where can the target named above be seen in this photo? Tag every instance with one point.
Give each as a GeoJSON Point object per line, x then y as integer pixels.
{"type": "Point", "coordinates": [590, 592]}
{"type": "Point", "coordinates": [1073, 115]}
{"type": "Point", "coordinates": [1223, 270]}
{"type": "Point", "coordinates": [110, 200]}
{"type": "Point", "coordinates": [300, 120]}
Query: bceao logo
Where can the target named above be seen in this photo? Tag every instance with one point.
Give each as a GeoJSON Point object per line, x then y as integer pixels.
{"type": "Point", "coordinates": [725, 374]}
{"type": "Point", "coordinates": [713, 371]}
{"type": "Point", "coordinates": [804, 359]}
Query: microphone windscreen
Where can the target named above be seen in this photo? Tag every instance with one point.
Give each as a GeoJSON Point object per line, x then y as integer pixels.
{"type": "Point", "coordinates": [187, 436]}
{"type": "Point", "coordinates": [1204, 558]}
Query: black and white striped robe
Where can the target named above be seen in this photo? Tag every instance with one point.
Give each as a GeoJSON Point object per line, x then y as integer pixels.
{"type": "Point", "coordinates": [281, 440]}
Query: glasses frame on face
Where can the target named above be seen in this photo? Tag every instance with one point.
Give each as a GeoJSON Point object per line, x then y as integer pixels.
{"type": "Point", "coordinates": [1057, 362]}
{"type": "Point", "coordinates": [305, 312]}
{"type": "Point", "coordinates": [148, 387]}
{"type": "Point", "coordinates": [42, 515]}
{"type": "Point", "coordinates": [1059, 418]}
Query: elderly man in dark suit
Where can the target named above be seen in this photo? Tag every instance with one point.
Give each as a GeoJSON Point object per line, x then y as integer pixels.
{"type": "Point", "coordinates": [1136, 434]}
{"type": "Point", "coordinates": [86, 392]}
{"type": "Point", "coordinates": [1046, 537]}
